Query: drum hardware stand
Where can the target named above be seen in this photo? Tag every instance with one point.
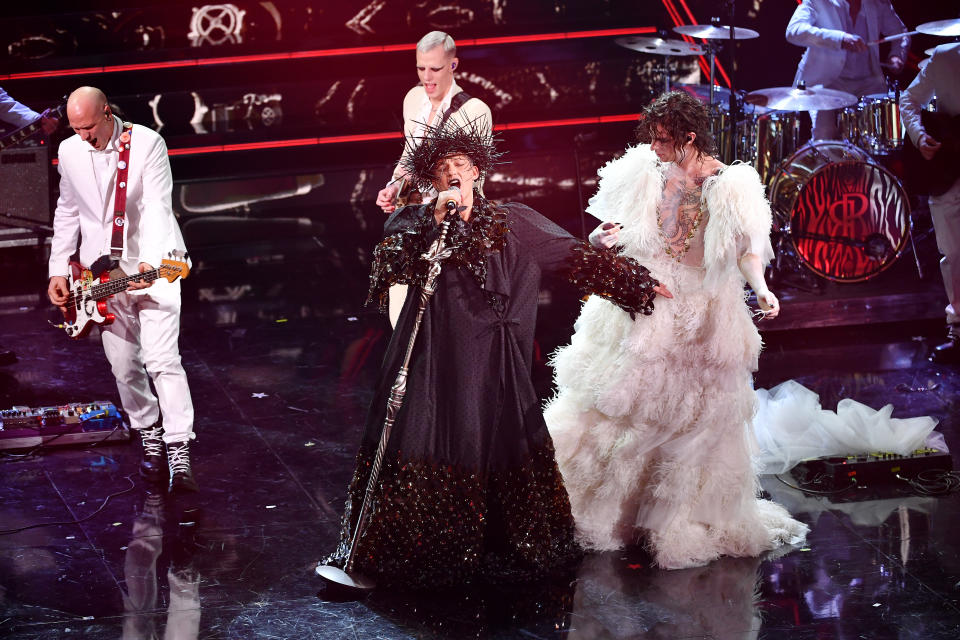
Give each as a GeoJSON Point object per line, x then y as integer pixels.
{"type": "Point", "coordinates": [913, 249]}
{"type": "Point", "coordinates": [786, 271]}
{"type": "Point", "coordinates": [712, 105]}
{"type": "Point", "coordinates": [665, 70]}
{"type": "Point", "coordinates": [734, 110]}
{"type": "Point", "coordinates": [712, 53]}
{"type": "Point", "coordinates": [435, 255]}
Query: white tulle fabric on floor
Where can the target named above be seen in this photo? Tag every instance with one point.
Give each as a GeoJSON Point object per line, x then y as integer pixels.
{"type": "Point", "coordinates": [790, 426]}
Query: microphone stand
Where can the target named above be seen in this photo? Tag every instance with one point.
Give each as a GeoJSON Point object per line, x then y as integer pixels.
{"type": "Point", "coordinates": [436, 254]}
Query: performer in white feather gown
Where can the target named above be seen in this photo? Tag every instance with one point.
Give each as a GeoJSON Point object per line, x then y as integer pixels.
{"type": "Point", "coordinates": [651, 420]}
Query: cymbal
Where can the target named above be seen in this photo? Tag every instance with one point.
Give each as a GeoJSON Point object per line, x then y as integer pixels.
{"type": "Point", "coordinates": [947, 28]}
{"type": "Point", "coordinates": [660, 46]}
{"type": "Point", "coordinates": [702, 92]}
{"type": "Point", "coordinates": [718, 32]}
{"type": "Point", "coordinates": [721, 96]}
{"type": "Point", "coordinates": [794, 99]}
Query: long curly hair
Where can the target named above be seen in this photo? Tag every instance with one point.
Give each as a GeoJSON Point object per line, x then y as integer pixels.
{"type": "Point", "coordinates": [678, 113]}
{"type": "Point", "coordinates": [424, 154]}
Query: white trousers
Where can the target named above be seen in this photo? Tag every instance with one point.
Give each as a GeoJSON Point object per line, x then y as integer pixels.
{"type": "Point", "coordinates": [142, 345]}
{"type": "Point", "coordinates": [945, 211]}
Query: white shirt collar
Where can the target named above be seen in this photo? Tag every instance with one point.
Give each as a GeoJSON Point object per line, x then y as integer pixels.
{"type": "Point", "coordinates": [426, 107]}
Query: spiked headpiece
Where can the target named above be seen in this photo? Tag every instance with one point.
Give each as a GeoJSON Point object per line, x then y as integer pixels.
{"type": "Point", "coordinates": [424, 153]}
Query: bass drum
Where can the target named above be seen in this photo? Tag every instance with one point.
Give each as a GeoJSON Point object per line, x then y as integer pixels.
{"type": "Point", "coordinates": [847, 217]}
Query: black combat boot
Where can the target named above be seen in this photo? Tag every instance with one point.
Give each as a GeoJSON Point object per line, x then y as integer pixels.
{"type": "Point", "coordinates": [152, 464]}
{"type": "Point", "coordinates": [181, 475]}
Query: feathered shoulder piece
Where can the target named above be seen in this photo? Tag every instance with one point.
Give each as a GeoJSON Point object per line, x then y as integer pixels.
{"type": "Point", "coordinates": [424, 153]}
{"type": "Point", "coordinates": [398, 259]}
{"type": "Point", "coordinates": [739, 211]}
{"type": "Point", "coordinates": [628, 192]}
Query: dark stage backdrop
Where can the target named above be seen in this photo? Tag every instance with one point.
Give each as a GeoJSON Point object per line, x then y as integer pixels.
{"type": "Point", "coordinates": [283, 117]}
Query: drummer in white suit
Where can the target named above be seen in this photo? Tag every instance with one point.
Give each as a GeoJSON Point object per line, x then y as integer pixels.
{"type": "Point", "coordinates": [837, 35]}
{"type": "Point", "coordinates": [142, 344]}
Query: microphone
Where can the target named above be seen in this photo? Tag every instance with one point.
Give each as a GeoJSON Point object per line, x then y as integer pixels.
{"type": "Point", "coordinates": [451, 204]}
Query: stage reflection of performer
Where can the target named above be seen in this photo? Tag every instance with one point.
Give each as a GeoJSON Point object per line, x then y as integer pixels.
{"type": "Point", "coordinates": [940, 76]}
{"type": "Point", "coordinates": [142, 344]}
{"type": "Point", "coordinates": [838, 36]}
{"type": "Point", "coordinates": [469, 490]}
{"type": "Point", "coordinates": [20, 115]}
{"type": "Point", "coordinates": [140, 598]}
{"type": "Point", "coordinates": [618, 600]}
{"type": "Point", "coordinates": [651, 420]}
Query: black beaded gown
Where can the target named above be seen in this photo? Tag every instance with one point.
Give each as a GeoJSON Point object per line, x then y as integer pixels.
{"type": "Point", "coordinates": [469, 490]}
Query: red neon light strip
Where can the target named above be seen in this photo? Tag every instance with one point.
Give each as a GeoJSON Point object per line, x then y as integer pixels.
{"type": "Point", "coordinates": [678, 21]}
{"type": "Point", "coordinates": [320, 53]}
{"type": "Point", "coordinates": [362, 137]}
{"type": "Point", "coordinates": [693, 20]}
{"type": "Point", "coordinates": [280, 144]}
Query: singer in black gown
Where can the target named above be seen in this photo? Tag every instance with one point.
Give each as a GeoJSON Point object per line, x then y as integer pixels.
{"type": "Point", "coordinates": [469, 490]}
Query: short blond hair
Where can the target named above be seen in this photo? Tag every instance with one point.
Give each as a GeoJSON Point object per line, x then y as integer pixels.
{"type": "Point", "coordinates": [436, 39]}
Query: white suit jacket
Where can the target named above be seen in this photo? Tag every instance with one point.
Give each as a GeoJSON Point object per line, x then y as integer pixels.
{"type": "Point", "coordinates": [941, 76]}
{"type": "Point", "coordinates": [818, 26]}
{"type": "Point", "coordinates": [151, 230]}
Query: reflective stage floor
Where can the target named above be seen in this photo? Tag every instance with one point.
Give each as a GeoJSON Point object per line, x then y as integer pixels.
{"type": "Point", "coordinates": [280, 399]}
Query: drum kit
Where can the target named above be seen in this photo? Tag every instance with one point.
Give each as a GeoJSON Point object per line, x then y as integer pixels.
{"type": "Point", "coordinates": [838, 210]}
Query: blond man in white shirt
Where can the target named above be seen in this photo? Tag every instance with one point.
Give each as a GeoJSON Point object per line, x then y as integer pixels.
{"type": "Point", "coordinates": [436, 100]}
{"type": "Point", "coordinates": [432, 102]}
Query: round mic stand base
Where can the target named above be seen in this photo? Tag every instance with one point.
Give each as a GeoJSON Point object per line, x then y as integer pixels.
{"type": "Point", "coordinates": [340, 578]}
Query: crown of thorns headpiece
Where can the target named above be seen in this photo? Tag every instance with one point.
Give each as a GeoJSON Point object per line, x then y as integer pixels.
{"type": "Point", "coordinates": [424, 153]}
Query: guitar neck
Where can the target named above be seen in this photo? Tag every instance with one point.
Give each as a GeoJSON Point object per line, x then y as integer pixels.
{"type": "Point", "coordinates": [112, 287]}
{"type": "Point", "coordinates": [23, 133]}
{"type": "Point", "coordinates": [20, 135]}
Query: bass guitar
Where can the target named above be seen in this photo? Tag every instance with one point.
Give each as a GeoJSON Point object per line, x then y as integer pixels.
{"type": "Point", "coordinates": [89, 291]}
{"type": "Point", "coordinates": [937, 175]}
{"type": "Point", "coordinates": [21, 134]}
{"type": "Point", "coordinates": [407, 194]}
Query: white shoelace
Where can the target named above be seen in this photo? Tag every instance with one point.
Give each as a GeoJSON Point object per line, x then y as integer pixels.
{"type": "Point", "coordinates": [152, 442]}
{"type": "Point", "coordinates": [178, 455]}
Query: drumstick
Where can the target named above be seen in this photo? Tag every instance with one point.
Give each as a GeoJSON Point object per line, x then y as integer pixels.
{"type": "Point", "coordinates": [895, 36]}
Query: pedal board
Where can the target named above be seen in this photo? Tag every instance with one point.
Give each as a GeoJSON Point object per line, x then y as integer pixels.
{"type": "Point", "coordinates": [68, 424]}
{"type": "Point", "coordinates": [870, 468]}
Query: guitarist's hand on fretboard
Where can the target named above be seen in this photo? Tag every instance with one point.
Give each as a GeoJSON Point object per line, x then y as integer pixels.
{"type": "Point", "coordinates": [927, 146]}
{"type": "Point", "coordinates": [48, 123]}
{"type": "Point", "coordinates": [141, 284]}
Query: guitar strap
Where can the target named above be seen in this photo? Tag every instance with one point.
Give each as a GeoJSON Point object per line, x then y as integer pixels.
{"type": "Point", "coordinates": [120, 199]}
{"type": "Point", "coordinates": [456, 102]}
